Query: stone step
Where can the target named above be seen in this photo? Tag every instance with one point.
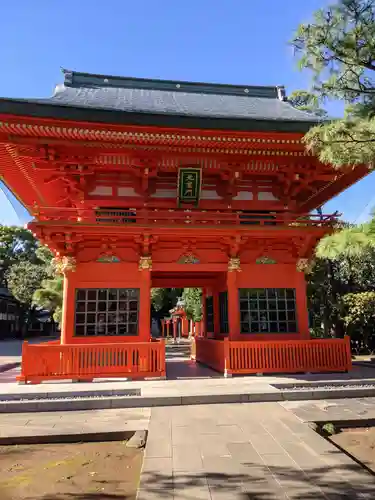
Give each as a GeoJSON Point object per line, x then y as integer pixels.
{"type": "Point", "coordinates": [104, 400]}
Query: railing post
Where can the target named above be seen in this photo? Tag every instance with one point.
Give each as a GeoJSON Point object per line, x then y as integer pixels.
{"type": "Point", "coordinates": [348, 352]}
{"type": "Point", "coordinates": [227, 367]}
{"type": "Point", "coordinates": [162, 359]}
{"type": "Point", "coordinates": [22, 377]}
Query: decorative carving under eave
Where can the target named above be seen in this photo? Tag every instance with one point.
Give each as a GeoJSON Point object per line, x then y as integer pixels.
{"type": "Point", "coordinates": [265, 260]}
{"type": "Point", "coordinates": [188, 258]}
{"type": "Point", "coordinates": [234, 264]}
{"type": "Point", "coordinates": [303, 265]}
{"type": "Point", "coordinates": [64, 264]}
{"type": "Point", "coordinates": [109, 259]}
{"type": "Point", "coordinates": [145, 263]}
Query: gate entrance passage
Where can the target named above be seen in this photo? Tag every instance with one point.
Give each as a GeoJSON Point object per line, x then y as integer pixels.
{"type": "Point", "coordinates": [172, 184]}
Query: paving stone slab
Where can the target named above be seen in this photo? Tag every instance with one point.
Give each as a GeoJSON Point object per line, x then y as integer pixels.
{"type": "Point", "coordinates": [159, 448]}
{"type": "Point", "coordinates": [273, 454]}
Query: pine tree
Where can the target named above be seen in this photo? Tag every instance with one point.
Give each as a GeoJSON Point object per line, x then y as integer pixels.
{"type": "Point", "coordinates": [338, 47]}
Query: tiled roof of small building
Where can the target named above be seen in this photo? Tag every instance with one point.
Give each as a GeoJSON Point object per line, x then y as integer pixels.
{"type": "Point", "coordinates": [205, 100]}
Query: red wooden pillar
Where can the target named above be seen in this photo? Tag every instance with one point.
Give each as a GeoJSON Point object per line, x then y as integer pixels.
{"type": "Point", "coordinates": [197, 328]}
{"type": "Point", "coordinates": [216, 307]}
{"type": "Point", "coordinates": [233, 300]}
{"type": "Point", "coordinates": [184, 327]}
{"type": "Point", "coordinates": [162, 328]}
{"type": "Point", "coordinates": [68, 312]}
{"type": "Point", "coordinates": [301, 306]}
{"type": "Point", "coordinates": [174, 323]}
{"type": "Point", "coordinates": [145, 265]}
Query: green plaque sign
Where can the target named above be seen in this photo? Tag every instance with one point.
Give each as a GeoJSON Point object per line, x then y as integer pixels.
{"type": "Point", "coordinates": [189, 185]}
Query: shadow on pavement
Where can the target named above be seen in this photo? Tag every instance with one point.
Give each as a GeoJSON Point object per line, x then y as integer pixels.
{"type": "Point", "coordinates": [263, 483]}
{"type": "Point", "coordinates": [255, 483]}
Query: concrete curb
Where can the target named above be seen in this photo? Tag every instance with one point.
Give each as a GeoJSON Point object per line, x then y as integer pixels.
{"type": "Point", "coordinates": [9, 366]}
{"type": "Point", "coordinates": [107, 402]}
{"type": "Point", "coordinates": [367, 364]}
{"type": "Point", "coordinates": [68, 438]}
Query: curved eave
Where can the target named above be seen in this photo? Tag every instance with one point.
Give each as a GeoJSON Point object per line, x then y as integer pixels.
{"type": "Point", "coordinates": [19, 107]}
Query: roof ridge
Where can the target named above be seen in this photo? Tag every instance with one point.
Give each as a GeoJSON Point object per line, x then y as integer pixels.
{"type": "Point", "coordinates": [80, 79]}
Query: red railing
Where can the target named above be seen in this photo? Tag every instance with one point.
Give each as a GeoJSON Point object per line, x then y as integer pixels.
{"type": "Point", "coordinates": [173, 217]}
{"type": "Point", "coordinates": [86, 362]}
{"type": "Point", "coordinates": [323, 355]}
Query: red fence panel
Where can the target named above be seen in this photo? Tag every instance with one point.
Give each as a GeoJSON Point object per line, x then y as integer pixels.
{"type": "Point", "coordinates": [85, 362]}
{"type": "Point", "coordinates": [236, 357]}
{"type": "Point", "coordinates": [323, 355]}
{"type": "Point", "coordinates": [211, 353]}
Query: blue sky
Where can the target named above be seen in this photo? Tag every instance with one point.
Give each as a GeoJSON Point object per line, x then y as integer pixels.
{"type": "Point", "coordinates": [228, 41]}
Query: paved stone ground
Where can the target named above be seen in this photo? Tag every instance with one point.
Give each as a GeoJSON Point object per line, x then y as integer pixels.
{"type": "Point", "coordinates": [178, 369]}
{"type": "Point", "coordinates": [334, 409]}
{"type": "Point", "coordinates": [258, 451]}
{"type": "Point", "coordinates": [244, 451]}
{"type": "Point", "coordinates": [11, 350]}
{"type": "Point", "coordinates": [73, 422]}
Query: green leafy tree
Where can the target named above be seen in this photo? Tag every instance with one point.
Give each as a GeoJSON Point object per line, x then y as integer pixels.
{"type": "Point", "coordinates": [25, 266]}
{"type": "Point", "coordinates": [193, 303]}
{"type": "Point", "coordinates": [16, 245]}
{"type": "Point", "coordinates": [306, 101]}
{"type": "Point", "coordinates": [23, 279]}
{"type": "Point", "coordinates": [359, 310]}
{"type": "Point", "coordinates": [346, 246]}
{"type": "Point", "coordinates": [164, 299]}
{"type": "Point", "coordinates": [49, 295]}
{"type": "Point", "coordinates": [348, 243]}
{"type": "Point", "coordinates": [338, 47]}
{"type": "Point", "coordinates": [322, 292]}
{"type": "Point", "coordinates": [345, 264]}
{"type": "Point", "coordinates": [158, 298]}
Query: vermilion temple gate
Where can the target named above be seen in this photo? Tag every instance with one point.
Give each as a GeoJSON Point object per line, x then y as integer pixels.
{"type": "Point", "coordinates": [135, 184]}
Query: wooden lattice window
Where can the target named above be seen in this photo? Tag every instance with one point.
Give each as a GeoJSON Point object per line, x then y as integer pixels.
{"type": "Point", "coordinates": [223, 302]}
{"type": "Point", "coordinates": [106, 311]}
{"type": "Point", "coordinates": [209, 314]}
{"type": "Point", "coordinates": [268, 310]}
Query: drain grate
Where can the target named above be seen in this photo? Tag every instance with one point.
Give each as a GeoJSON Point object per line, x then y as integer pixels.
{"type": "Point", "coordinates": [10, 398]}
{"type": "Point", "coordinates": [325, 386]}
